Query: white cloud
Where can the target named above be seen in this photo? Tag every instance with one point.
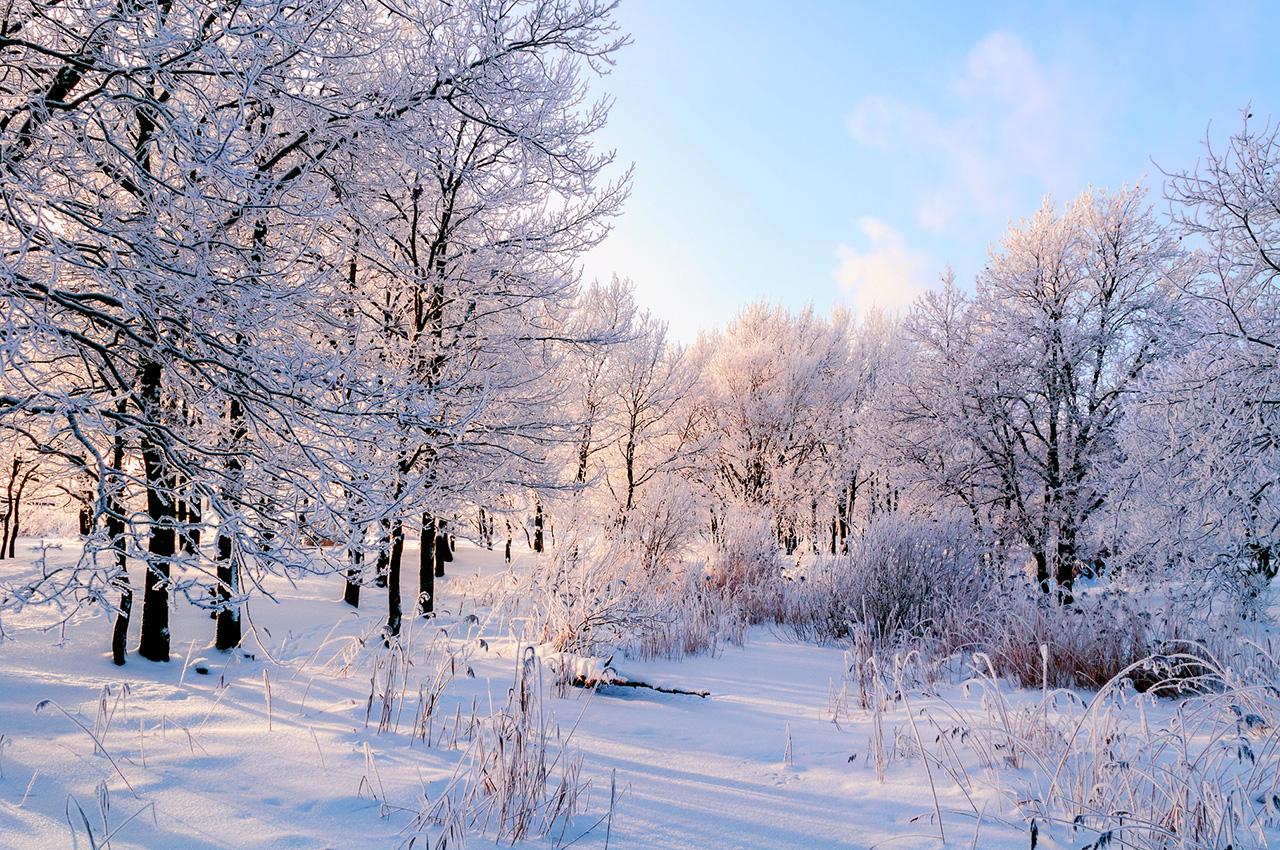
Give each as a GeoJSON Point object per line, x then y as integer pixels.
{"type": "Point", "coordinates": [1009, 124]}
{"type": "Point", "coordinates": [885, 275]}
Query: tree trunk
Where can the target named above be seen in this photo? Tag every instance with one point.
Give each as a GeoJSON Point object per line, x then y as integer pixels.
{"type": "Point", "coordinates": [12, 543]}
{"type": "Point", "coordinates": [12, 501]}
{"type": "Point", "coordinates": [191, 529]}
{"type": "Point", "coordinates": [630, 458]}
{"type": "Point", "coordinates": [537, 527]}
{"type": "Point", "coordinates": [180, 513]}
{"type": "Point", "coordinates": [394, 611]}
{"type": "Point", "coordinates": [115, 531]}
{"type": "Point", "coordinates": [120, 631]}
{"type": "Point", "coordinates": [443, 549]}
{"type": "Point", "coordinates": [154, 643]}
{"type": "Point", "coordinates": [227, 631]}
{"type": "Point", "coordinates": [427, 567]}
{"type": "Point", "coordinates": [1066, 565]}
{"type": "Point", "coordinates": [384, 554]}
{"type": "Point", "coordinates": [1042, 571]}
{"type": "Point", "coordinates": [351, 593]}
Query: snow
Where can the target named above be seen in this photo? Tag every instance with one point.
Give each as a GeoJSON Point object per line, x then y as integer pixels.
{"type": "Point", "coordinates": [760, 763]}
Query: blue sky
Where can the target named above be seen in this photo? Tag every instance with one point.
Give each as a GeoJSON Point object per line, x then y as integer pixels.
{"type": "Point", "coordinates": [827, 152]}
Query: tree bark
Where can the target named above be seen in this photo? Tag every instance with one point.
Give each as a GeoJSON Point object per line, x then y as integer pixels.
{"type": "Point", "coordinates": [228, 631]}
{"type": "Point", "coordinates": [442, 552]}
{"type": "Point", "coordinates": [537, 527]}
{"type": "Point", "coordinates": [115, 531]}
{"type": "Point", "coordinates": [154, 642]}
{"type": "Point", "coordinates": [351, 593]}
{"type": "Point", "coordinates": [1066, 565]}
{"type": "Point", "coordinates": [1042, 571]}
{"type": "Point", "coordinates": [443, 549]}
{"type": "Point", "coordinates": [12, 543]}
{"type": "Point", "coordinates": [427, 567]}
{"type": "Point", "coordinates": [394, 611]}
{"type": "Point", "coordinates": [191, 528]}
{"type": "Point", "coordinates": [384, 554]}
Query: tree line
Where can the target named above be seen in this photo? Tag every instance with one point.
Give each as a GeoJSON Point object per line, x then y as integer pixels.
{"type": "Point", "coordinates": [286, 284]}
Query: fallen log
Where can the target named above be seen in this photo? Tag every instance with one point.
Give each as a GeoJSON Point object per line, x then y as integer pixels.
{"type": "Point", "coordinates": [621, 682]}
{"type": "Point", "coordinates": [582, 671]}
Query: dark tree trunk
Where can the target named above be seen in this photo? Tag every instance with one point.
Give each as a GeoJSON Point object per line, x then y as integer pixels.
{"type": "Point", "coordinates": [1066, 565]}
{"type": "Point", "coordinates": [9, 509]}
{"type": "Point", "coordinates": [120, 631]}
{"type": "Point", "coordinates": [351, 593]}
{"type": "Point", "coordinates": [443, 552]}
{"type": "Point", "coordinates": [507, 554]}
{"type": "Point", "coordinates": [12, 543]}
{"type": "Point", "coordinates": [191, 528]}
{"type": "Point", "coordinates": [427, 567]}
{"type": "Point", "coordinates": [180, 512]}
{"type": "Point", "coordinates": [537, 527]}
{"type": "Point", "coordinates": [154, 643]}
{"type": "Point", "coordinates": [394, 611]}
{"type": "Point", "coordinates": [384, 554]}
{"type": "Point", "coordinates": [228, 631]}
{"type": "Point", "coordinates": [443, 549]}
{"type": "Point", "coordinates": [630, 458]}
{"type": "Point", "coordinates": [115, 531]}
{"type": "Point", "coordinates": [1042, 571]}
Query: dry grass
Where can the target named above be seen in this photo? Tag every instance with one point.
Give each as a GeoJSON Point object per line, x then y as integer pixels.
{"type": "Point", "coordinates": [519, 778]}
{"type": "Point", "coordinates": [1103, 772]}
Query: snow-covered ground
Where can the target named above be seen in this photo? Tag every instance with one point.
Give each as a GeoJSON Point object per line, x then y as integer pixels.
{"type": "Point", "coordinates": [282, 749]}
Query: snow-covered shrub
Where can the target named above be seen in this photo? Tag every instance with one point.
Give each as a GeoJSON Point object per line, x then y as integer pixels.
{"type": "Point", "coordinates": [1121, 769]}
{"type": "Point", "coordinates": [590, 597]}
{"type": "Point", "coordinates": [1033, 639]}
{"type": "Point", "coordinates": [1105, 633]}
{"type": "Point", "coordinates": [663, 527]}
{"type": "Point", "coordinates": [925, 584]}
{"type": "Point", "coordinates": [699, 618]}
{"type": "Point", "coordinates": [600, 596]}
{"type": "Point", "coordinates": [746, 566]}
{"type": "Point", "coordinates": [904, 577]}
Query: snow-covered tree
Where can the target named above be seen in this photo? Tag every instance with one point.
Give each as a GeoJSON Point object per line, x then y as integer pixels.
{"type": "Point", "coordinates": [1204, 445]}
{"type": "Point", "coordinates": [189, 280]}
{"type": "Point", "coordinates": [775, 389]}
{"type": "Point", "coordinates": [1012, 400]}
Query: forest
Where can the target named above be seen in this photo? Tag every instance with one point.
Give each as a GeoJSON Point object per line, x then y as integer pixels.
{"type": "Point", "coordinates": [304, 388]}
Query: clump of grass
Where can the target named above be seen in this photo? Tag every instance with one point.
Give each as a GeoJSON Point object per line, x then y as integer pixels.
{"type": "Point", "coordinates": [1104, 772]}
{"type": "Point", "coordinates": [519, 778]}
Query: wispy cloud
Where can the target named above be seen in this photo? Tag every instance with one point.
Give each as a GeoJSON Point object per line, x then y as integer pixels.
{"type": "Point", "coordinates": [1009, 124]}
{"type": "Point", "coordinates": [882, 276]}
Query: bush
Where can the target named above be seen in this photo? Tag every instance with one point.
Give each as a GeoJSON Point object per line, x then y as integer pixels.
{"type": "Point", "coordinates": [922, 584]}
{"type": "Point", "coordinates": [1037, 641]}
{"type": "Point", "coordinates": [904, 577]}
{"type": "Point", "coordinates": [746, 566]}
{"type": "Point", "coordinates": [602, 595]}
{"type": "Point", "coordinates": [589, 598]}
